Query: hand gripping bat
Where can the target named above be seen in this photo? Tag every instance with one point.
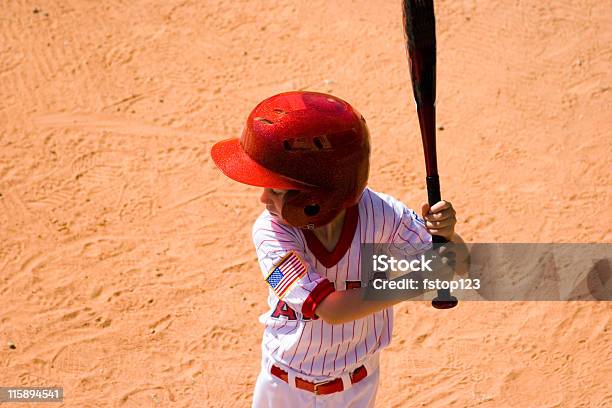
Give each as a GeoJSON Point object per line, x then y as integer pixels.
{"type": "Point", "coordinates": [420, 32]}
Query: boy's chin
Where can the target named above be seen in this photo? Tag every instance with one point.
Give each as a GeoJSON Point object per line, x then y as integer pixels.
{"type": "Point", "coordinates": [278, 217]}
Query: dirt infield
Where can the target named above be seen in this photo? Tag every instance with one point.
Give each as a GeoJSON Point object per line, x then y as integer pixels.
{"type": "Point", "coordinates": [127, 271]}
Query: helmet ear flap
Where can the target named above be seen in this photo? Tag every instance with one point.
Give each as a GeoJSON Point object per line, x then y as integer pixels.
{"type": "Point", "coordinates": [303, 209]}
{"type": "Point", "coordinates": [312, 210]}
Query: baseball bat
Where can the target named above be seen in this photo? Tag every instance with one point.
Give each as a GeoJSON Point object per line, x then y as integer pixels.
{"type": "Point", "coordinates": [420, 34]}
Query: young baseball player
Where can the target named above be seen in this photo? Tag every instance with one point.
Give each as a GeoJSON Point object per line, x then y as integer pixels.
{"type": "Point", "coordinates": [310, 152]}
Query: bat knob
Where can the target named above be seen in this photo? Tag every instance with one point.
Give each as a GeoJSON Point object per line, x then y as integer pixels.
{"type": "Point", "coordinates": [444, 300]}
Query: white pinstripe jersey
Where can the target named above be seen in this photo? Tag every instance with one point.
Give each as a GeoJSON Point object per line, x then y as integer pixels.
{"type": "Point", "coordinates": [294, 336]}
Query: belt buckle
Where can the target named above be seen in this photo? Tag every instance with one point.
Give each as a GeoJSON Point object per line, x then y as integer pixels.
{"type": "Point", "coordinates": [316, 386]}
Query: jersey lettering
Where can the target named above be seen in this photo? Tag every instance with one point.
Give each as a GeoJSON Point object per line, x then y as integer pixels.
{"type": "Point", "coordinates": [283, 309]}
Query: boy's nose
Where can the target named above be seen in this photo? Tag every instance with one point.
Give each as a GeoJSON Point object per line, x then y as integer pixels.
{"type": "Point", "coordinates": [265, 196]}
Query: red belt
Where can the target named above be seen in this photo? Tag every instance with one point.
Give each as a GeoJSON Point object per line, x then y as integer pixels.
{"type": "Point", "coordinates": [322, 388]}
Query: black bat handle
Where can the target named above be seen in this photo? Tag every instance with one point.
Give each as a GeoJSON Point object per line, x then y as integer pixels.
{"type": "Point", "coordinates": [444, 300]}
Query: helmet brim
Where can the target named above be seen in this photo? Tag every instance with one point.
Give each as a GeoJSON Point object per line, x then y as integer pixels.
{"type": "Point", "coordinates": [233, 161]}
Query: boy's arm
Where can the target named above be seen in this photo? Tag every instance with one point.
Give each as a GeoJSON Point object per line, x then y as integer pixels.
{"type": "Point", "coordinates": [348, 305]}
{"type": "Point", "coordinates": [345, 306]}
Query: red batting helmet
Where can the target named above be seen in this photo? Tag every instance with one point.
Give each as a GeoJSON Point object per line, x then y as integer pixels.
{"type": "Point", "coordinates": [314, 144]}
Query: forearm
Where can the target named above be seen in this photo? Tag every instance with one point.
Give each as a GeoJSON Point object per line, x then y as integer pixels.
{"type": "Point", "coordinates": [345, 306]}
{"type": "Point", "coordinates": [348, 305]}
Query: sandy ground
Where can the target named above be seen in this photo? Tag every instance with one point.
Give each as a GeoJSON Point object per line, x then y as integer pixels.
{"type": "Point", "coordinates": [127, 274]}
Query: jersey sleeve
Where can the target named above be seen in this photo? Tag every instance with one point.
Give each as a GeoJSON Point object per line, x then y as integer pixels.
{"type": "Point", "coordinates": [411, 235]}
{"type": "Point", "coordinates": [286, 268]}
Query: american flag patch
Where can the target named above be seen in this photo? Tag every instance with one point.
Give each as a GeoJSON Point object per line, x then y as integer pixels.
{"type": "Point", "coordinates": [285, 273]}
